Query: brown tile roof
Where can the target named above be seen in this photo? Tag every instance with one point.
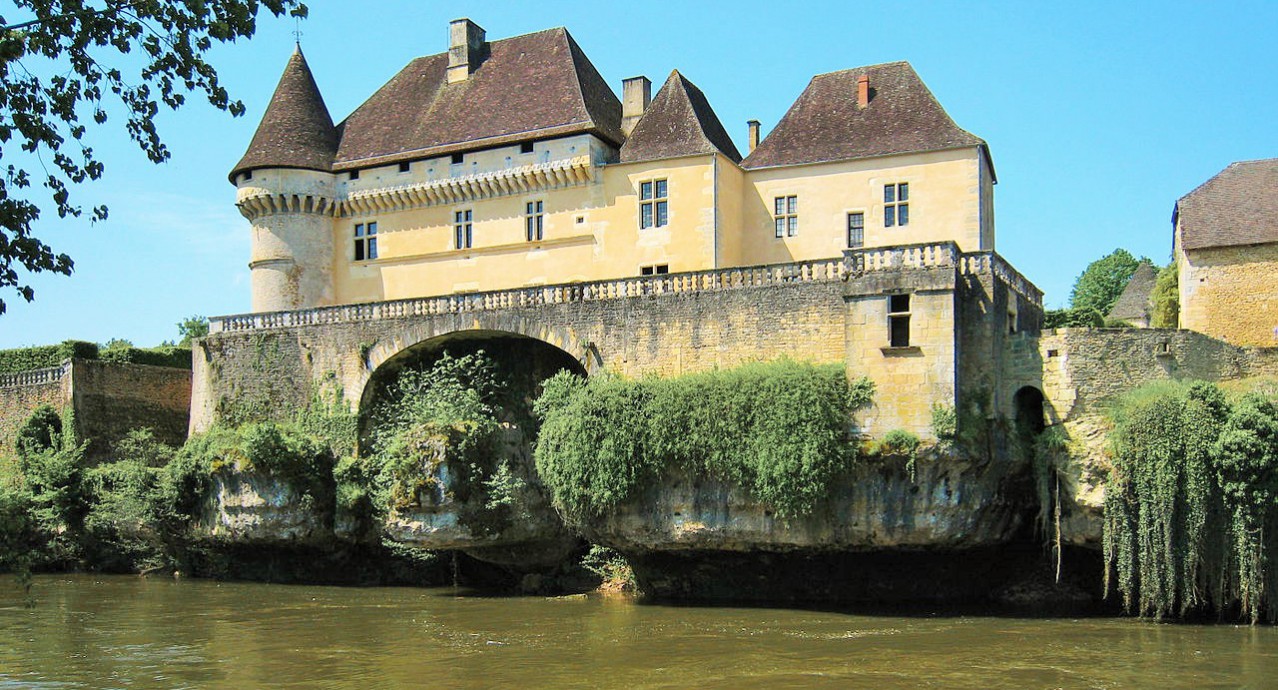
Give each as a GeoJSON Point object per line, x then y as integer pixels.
{"type": "Point", "coordinates": [1133, 303]}
{"type": "Point", "coordinates": [1236, 207]}
{"type": "Point", "coordinates": [296, 131]}
{"type": "Point", "coordinates": [826, 124]}
{"type": "Point", "coordinates": [533, 86]}
{"type": "Point", "coordinates": [678, 122]}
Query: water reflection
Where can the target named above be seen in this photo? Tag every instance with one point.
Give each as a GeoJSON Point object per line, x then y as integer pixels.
{"type": "Point", "coordinates": [131, 632]}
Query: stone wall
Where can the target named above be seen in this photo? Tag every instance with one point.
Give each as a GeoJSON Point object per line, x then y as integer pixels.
{"type": "Point", "coordinates": [1231, 293]}
{"type": "Point", "coordinates": [23, 392]}
{"type": "Point", "coordinates": [112, 399]}
{"type": "Point", "coordinates": [108, 400]}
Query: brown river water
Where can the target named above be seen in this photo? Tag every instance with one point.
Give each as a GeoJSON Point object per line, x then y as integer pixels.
{"type": "Point", "coordinates": [129, 632]}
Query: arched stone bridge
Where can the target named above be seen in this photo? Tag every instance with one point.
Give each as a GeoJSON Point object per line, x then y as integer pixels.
{"type": "Point", "coordinates": [831, 311]}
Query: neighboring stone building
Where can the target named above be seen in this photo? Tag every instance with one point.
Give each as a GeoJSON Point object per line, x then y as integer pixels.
{"type": "Point", "coordinates": [1133, 306]}
{"type": "Point", "coordinates": [510, 169]}
{"type": "Point", "coordinates": [1226, 248]}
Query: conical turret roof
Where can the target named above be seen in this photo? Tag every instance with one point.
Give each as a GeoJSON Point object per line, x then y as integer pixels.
{"type": "Point", "coordinates": [678, 122]}
{"type": "Point", "coordinates": [296, 131]}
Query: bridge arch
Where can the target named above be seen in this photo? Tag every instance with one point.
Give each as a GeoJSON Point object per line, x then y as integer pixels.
{"type": "Point", "coordinates": [523, 361]}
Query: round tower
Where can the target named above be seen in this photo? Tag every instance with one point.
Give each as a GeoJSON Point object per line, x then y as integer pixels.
{"type": "Point", "coordinates": [286, 189]}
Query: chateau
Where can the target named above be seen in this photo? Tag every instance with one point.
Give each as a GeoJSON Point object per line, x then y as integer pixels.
{"type": "Point", "coordinates": [510, 165]}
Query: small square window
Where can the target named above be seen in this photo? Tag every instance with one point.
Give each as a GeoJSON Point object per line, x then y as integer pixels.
{"type": "Point", "coordinates": [404, 167]}
{"type": "Point", "coordinates": [645, 271]}
{"type": "Point", "coordinates": [458, 158]}
{"type": "Point", "coordinates": [662, 269]}
{"type": "Point", "coordinates": [354, 175]}
{"type": "Point", "coordinates": [248, 176]}
{"type": "Point", "coordinates": [526, 147]}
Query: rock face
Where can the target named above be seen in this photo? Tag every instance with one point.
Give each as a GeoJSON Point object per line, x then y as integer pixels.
{"type": "Point", "coordinates": [252, 508]}
{"type": "Point", "coordinates": [951, 503]}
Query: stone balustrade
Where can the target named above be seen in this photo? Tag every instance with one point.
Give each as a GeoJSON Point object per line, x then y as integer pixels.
{"type": "Point", "coordinates": [675, 283]}
{"type": "Point", "coordinates": [34, 377]}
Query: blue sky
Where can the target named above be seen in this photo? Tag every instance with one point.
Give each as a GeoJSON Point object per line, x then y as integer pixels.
{"type": "Point", "coordinates": [1099, 116]}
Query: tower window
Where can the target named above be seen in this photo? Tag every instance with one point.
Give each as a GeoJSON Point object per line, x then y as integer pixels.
{"type": "Point", "coordinates": [785, 215]}
{"type": "Point", "coordinates": [899, 320]}
{"type": "Point", "coordinates": [458, 158]}
{"type": "Point", "coordinates": [534, 220]}
{"type": "Point", "coordinates": [896, 207]}
{"type": "Point", "coordinates": [365, 241]}
{"type": "Point", "coordinates": [353, 175]}
{"type": "Point", "coordinates": [526, 147]}
{"type": "Point", "coordinates": [462, 229]}
{"type": "Point", "coordinates": [654, 204]}
{"type": "Point", "coordinates": [404, 167]}
{"type": "Point", "coordinates": [856, 230]}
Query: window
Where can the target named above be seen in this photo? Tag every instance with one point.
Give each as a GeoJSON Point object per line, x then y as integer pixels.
{"type": "Point", "coordinates": [354, 175]}
{"type": "Point", "coordinates": [248, 176]}
{"type": "Point", "coordinates": [896, 207]}
{"type": "Point", "coordinates": [462, 230]}
{"type": "Point", "coordinates": [899, 320]}
{"type": "Point", "coordinates": [786, 215]}
{"type": "Point", "coordinates": [526, 147]}
{"type": "Point", "coordinates": [404, 167]}
{"type": "Point", "coordinates": [534, 220]}
{"type": "Point", "coordinates": [856, 230]}
{"type": "Point", "coordinates": [659, 269]}
{"type": "Point", "coordinates": [654, 205]}
{"type": "Point", "coordinates": [365, 241]}
{"type": "Point", "coordinates": [458, 158]}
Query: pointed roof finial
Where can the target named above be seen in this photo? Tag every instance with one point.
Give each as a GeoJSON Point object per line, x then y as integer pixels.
{"type": "Point", "coordinates": [296, 131]}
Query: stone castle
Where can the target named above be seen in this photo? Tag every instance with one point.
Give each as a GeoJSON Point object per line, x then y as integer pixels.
{"type": "Point", "coordinates": [502, 186]}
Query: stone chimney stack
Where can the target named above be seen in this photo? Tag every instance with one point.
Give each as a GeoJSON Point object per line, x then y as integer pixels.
{"type": "Point", "coordinates": [754, 134]}
{"type": "Point", "coordinates": [636, 94]}
{"type": "Point", "coordinates": [863, 90]}
{"type": "Point", "coordinates": [466, 49]}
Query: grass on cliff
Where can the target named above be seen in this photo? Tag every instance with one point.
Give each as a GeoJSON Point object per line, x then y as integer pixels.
{"type": "Point", "coordinates": [780, 430]}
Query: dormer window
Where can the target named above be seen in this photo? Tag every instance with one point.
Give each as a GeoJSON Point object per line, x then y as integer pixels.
{"type": "Point", "coordinates": [365, 241]}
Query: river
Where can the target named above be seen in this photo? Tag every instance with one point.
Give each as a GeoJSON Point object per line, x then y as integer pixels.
{"type": "Point", "coordinates": [120, 631]}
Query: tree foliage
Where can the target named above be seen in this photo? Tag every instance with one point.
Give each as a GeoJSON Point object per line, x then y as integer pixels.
{"type": "Point", "coordinates": [1104, 279]}
{"type": "Point", "coordinates": [1165, 298]}
{"type": "Point", "coordinates": [778, 430]}
{"type": "Point", "coordinates": [1191, 506]}
{"type": "Point", "coordinates": [192, 328]}
{"type": "Point", "coordinates": [62, 71]}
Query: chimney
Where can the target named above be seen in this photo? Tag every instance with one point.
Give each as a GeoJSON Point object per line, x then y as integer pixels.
{"type": "Point", "coordinates": [465, 49]}
{"type": "Point", "coordinates": [754, 134]}
{"type": "Point", "coordinates": [863, 90]}
{"type": "Point", "coordinates": [636, 93]}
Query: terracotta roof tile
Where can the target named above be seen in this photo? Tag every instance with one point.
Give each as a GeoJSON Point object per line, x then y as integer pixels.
{"type": "Point", "coordinates": [296, 131]}
{"type": "Point", "coordinates": [1238, 206]}
{"type": "Point", "coordinates": [1133, 303]}
{"type": "Point", "coordinates": [826, 124]}
{"type": "Point", "coordinates": [527, 87]}
{"type": "Point", "coordinates": [678, 122]}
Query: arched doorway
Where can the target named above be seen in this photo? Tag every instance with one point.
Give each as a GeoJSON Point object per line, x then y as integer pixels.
{"type": "Point", "coordinates": [1031, 414]}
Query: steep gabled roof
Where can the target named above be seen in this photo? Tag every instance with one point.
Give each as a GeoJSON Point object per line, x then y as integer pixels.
{"type": "Point", "coordinates": [678, 122]}
{"type": "Point", "coordinates": [1238, 206]}
{"type": "Point", "coordinates": [826, 124]}
{"type": "Point", "coordinates": [296, 131]}
{"type": "Point", "coordinates": [1133, 303]}
{"type": "Point", "coordinates": [532, 86]}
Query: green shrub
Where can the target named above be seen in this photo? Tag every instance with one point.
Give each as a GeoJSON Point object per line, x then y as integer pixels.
{"type": "Point", "coordinates": [945, 422]}
{"type": "Point", "coordinates": [779, 430]}
{"type": "Point", "coordinates": [45, 356]}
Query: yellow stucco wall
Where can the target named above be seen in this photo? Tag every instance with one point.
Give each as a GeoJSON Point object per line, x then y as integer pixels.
{"type": "Point", "coordinates": [945, 204]}
{"type": "Point", "coordinates": [1230, 293]}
